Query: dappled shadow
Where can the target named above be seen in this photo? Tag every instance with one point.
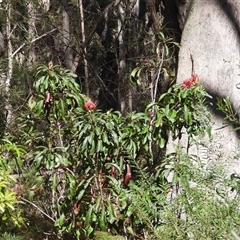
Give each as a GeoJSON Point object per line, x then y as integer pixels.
{"type": "Point", "coordinates": [230, 8]}
{"type": "Point", "coordinates": [213, 106]}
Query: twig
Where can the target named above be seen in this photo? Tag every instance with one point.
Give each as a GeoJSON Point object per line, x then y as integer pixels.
{"type": "Point", "coordinates": [39, 209]}
{"type": "Point", "coordinates": [34, 40]}
{"type": "Point", "coordinates": [99, 20]}
{"type": "Point", "coordinates": [154, 95]}
{"type": "Point", "coordinates": [158, 76]}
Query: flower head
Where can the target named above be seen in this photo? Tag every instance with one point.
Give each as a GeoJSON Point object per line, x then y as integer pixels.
{"type": "Point", "coordinates": [195, 79]}
{"type": "Point", "coordinates": [90, 106]}
{"type": "Point", "coordinates": [187, 83]}
{"type": "Point", "coordinates": [190, 82]}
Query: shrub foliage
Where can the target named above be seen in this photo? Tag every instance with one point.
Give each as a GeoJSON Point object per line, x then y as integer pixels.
{"type": "Point", "coordinates": [88, 171]}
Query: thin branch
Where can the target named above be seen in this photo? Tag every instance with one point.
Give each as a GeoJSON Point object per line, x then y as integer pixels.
{"type": "Point", "coordinates": [10, 34]}
{"type": "Point", "coordinates": [85, 49]}
{"type": "Point", "coordinates": [88, 40]}
{"type": "Point", "coordinates": [34, 40]}
{"type": "Point", "coordinates": [158, 76]}
{"type": "Point", "coordinates": [154, 95]}
{"type": "Point", "coordinates": [39, 209]}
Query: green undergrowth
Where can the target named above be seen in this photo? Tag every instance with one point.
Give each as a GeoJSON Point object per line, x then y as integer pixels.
{"type": "Point", "coordinates": [201, 204]}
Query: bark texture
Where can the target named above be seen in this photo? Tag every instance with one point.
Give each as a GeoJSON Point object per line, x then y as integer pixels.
{"type": "Point", "coordinates": [211, 38]}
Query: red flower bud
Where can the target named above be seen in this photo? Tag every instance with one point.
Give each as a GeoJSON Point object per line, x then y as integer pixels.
{"type": "Point", "coordinates": [90, 106]}
{"type": "Point", "coordinates": [128, 175]}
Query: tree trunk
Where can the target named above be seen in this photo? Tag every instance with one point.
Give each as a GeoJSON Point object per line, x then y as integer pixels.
{"type": "Point", "coordinates": [154, 20]}
{"type": "Point", "coordinates": [210, 48]}
{"type": "Point", "coordinates": [122, 83]}
{"type": "Point", "coordinates": [99, 20]}
{"type": "Point", "coordinates": [31, 32]}
{"type": "Point", "coordinates": [2, 45]}
{"type": "Point", "coordinates": [85, 48]}
{"type": "Point", "coordinates": [66, 36]}
{"type": "Point", "coordinates": [8, 106]}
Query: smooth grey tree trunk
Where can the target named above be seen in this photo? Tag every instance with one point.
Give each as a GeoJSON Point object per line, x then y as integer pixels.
{"type": "Point", "coordinates": [211, 38]}
{"type": "Point", "coordinates": [210, 48]}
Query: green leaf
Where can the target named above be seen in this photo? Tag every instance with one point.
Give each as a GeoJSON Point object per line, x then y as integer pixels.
{"type": "Point", "coordinates": [89, 230]}
{"type": "Point", "coordinates": [98, 203]}
{"type": "Point", "coordinates": [173, 115]}
{"type": "Point", "coordinates": [93, 149]}
{"type": "Point", "coordinates": [159, 119]}
{"type": "Point", "coordinates": [54, 182]}
{"type": "Point", "coordinates": [45, 84]}
{"type": "Point", "coordinates": [115, 137]}
{"type": "Point", "coordinates": [162, 143]}
{"type": "Point", "coordinates": [102, 220]}
{"type": "Point", "coordinates": [166, 50]}
{"type": "Point", "coordinates": [9, 205]}
{"type": "Point", "coordinates": [167, 110]}
{"type": "Point", "coordinates": [186, 114]}
{"type": "Point", "coordinates": [105, 138]}
{"type": "Point", "coordinates": [99, 146]}
{"type": "Point", "coordinates": [89, 216]}
{"type": "Point", "coordinates": [86, 185]}
{"type": "Point", "coordinates": [134, 76]}
{"type": "Point", "coordinates": [109, 165]}
{"type": "Point", "coordinates": [2, 209]}
{"type": "Point", "coordinates": [183, 93]}
{"type": "Point", "coordinates": [60, 221]}
{"type": "Point", "coordinates": [111, 213]}
{"type": "Point", "coordinates": [80, 194]}
{"type": "Point", "coordinates": [63, 108]}
{"type": "Point", "coordinates": [114, 181]}
{"type": "Point", "coordinates": [161, 35]}
{"type": "Point", "coordinates": [71, 179]}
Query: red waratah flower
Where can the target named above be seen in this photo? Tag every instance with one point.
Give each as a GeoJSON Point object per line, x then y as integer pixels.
{"type": "Point", "coordinates": [195, 79]}
{"type": "Point", "coordinates": [90, 106]}
{"type": "Point", "coordinates": [187, 83]}
{"type": "Point", "coordinates": [190, 82]}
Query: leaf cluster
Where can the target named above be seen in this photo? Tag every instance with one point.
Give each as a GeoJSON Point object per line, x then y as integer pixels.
{"type": "Point", "coordinates": [196, 206]}
{"type": "Point", "coordinates": [10, 213]}
{"type": "Point", "coordinates": [81, 158]}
